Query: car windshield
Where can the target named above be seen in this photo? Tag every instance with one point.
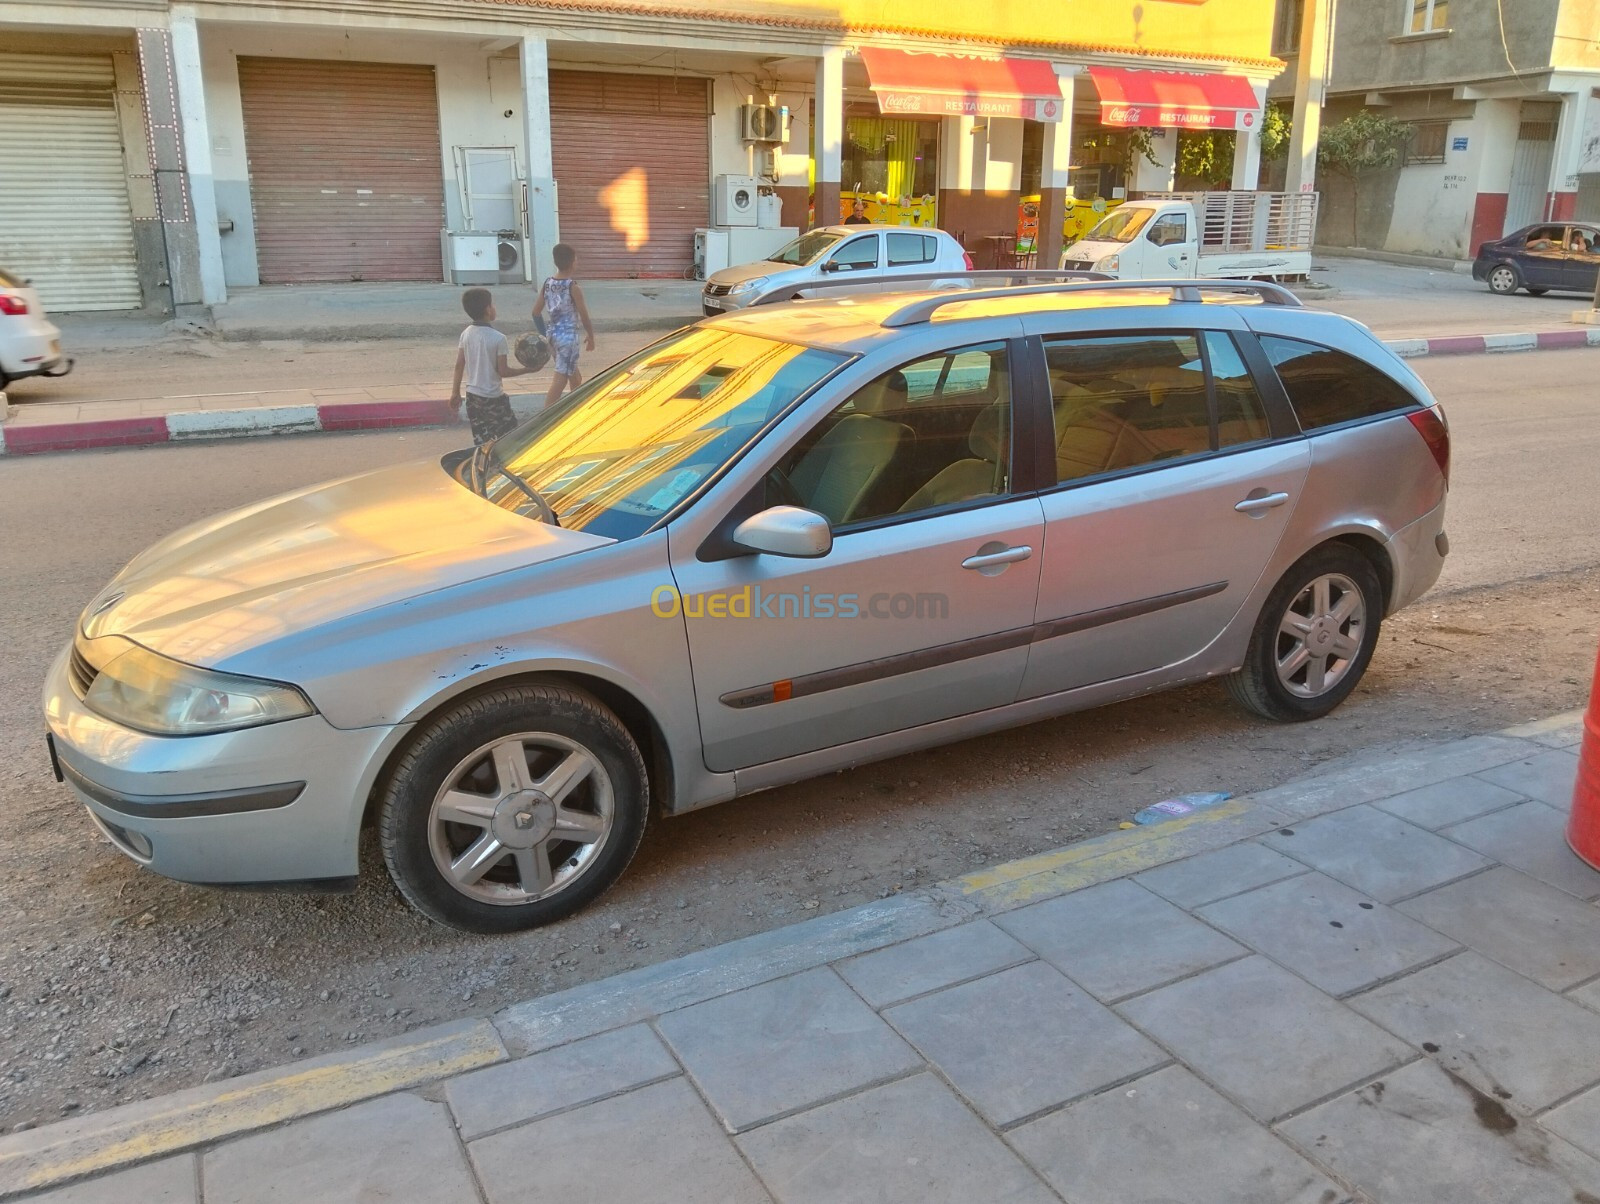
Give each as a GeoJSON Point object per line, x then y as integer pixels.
{"type": "Point", "coordinates": [806, 249]}
{"type": "Point", "coordinates": [628, 446]}
{"type": "Point", "coordinates": [1122, 225]}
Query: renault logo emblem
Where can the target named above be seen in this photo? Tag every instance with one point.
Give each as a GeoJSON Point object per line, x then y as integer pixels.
{"type": "Point", "coordinates": [524, 820]}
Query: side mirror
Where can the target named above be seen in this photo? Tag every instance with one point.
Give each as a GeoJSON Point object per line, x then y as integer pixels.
{"type": "Point", "coordinates": [832, 265]}
{"type": "Point", "coordinates": [786, 531]}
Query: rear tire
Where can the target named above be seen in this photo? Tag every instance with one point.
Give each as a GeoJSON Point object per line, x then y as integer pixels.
{"type": "Point", "coordinates": [1503, 279]}
{"type": "Point", "coordinates": [1314, 637]}
{"type": "Point", "coordinates": [514, 809]}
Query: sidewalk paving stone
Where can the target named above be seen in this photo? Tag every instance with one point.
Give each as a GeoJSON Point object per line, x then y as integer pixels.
{"type": "Point", "coordinates": [907, 1142]}
{"type": "Point", "coordinates": [1378, 854]}
{"type": "Point", "coordinates": [1135, 1144]}
{"type": "Point", "coordinates": [399, 1147]}
{"type": "Point", "coordinates": [1196, 881]}
{"type": "Point", "coordinates": [1578, 1120]}
{"type": "Point", "coordinates": [1588, 995]}
{"type": "Point", "coordinates": [1330, 935]}
{"type": "Point", "coordinates": [1423, 1138]}
{"type": "Point", "coordinates": [1548, 777]}
{"type": "Point", "coordinates": [1272, 1042]}
{"type": "Point", "coordinates": [1118, 939]}
{"type": "Point", "coordinates": [1444, 803]}
{"type": "Point", "coordinates": [769, 1050]}
{"type": "Point", "coordinates": [656, 1145]}
{"type": "Point", "coordinates": [1026, 1039]}
{"type": "Point", "coordinates": [1528, 926]}
{"type": "Point", "coordinates": [1493, 1027]}
{"type": "Point", "coordinates": [1531, 837]}
{"type": "Point", "coordinates": [169, 1181]}
{"type": "Point", "coordinates": [928, 963]}
{"type": "Point", "coordinates": [513, 1092]}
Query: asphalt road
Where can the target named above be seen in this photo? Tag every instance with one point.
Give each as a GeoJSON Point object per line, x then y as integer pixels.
{"type": "Point", "coordinates": [115, 984]}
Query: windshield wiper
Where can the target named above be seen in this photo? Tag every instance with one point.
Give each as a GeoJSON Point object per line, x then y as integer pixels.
{"type": "Point", "coordinates": [487, 457]}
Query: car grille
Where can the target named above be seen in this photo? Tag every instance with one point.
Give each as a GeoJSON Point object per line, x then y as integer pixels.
{"type": "Point", "coordinates": [80, 672]}
{"type": "Point", "coordinates": [1078, 265]}
{"type": "Point", "coordinates": [718, 290]}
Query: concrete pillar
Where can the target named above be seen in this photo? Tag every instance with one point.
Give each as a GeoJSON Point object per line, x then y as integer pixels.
{"type": "Point", "coordinates": [1053, 177]}
{"type": "Point", "coordinates": [544, 227]}
{"type": "Point", "coordinates": [1162, 174]}
{"type": "Point", "coordinates": [1247, 148]}
{"type": "Point", "coordinates": [197, 152]}
{"type": "Point", "coordinates": [1310, 87]}
{"type": "Point", "coordinates": [827, 135]}
{"type": "Point", "coordinates": [174, 200]}
{"type": "Point", "coordinates": [1562, 202]}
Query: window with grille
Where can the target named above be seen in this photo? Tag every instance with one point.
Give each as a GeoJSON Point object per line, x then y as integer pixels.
{"type": "Point", "coordinates": [1428, 141]}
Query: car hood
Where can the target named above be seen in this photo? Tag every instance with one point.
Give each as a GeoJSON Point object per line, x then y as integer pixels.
{"type": "Point", "coordinates": [1094, 251]}
{"type": "Point", "coordinates": [293, 563]}
{"type": "Point", "coordinates": [749, 271]}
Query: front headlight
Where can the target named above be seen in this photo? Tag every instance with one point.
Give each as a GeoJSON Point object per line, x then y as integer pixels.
{"type": "Point", "coordinates": [150, 693]}
{"type": "Point", "coordinates": [744, 286]}
{"type": "Point", "coordinates": [1108, 264]}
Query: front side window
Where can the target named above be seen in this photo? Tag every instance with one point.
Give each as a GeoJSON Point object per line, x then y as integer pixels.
{"type": "Point", "coordinates": [1126, 401]}
{"type": "Point", "coordinates": [1169, 230]}
{"type": "Point", "coordinates": [628, 446]}
{"type": "Point", "coordinates": [857, 254]}
{"type": "Point", "coordinates": [1427, 15]}
{"type": "Point", "coordinates": [906, 250]}
{"type": "Point", "coordinates": [930, 434]}
{"type": "Point", "coordinates": [1328, 387]}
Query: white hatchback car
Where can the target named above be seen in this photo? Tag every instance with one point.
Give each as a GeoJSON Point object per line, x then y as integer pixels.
{"type": "Point", "coordinates": [30, 344]}
{"type": "Point", "coordinates": [861, 251]}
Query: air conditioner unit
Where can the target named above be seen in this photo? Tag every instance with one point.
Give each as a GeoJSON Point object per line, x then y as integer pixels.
{"type": "Point", "coordinates": [736, 201]}
{"type": "Point", "coordinates": [764, 123]}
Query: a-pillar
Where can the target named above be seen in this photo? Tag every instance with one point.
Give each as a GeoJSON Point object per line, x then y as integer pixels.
{"type": "Point", "coordinates": [544, 227]}
{"type": "Point", "coordinates": [1053, 175]}
{"type": "Point", "coordinates": [827, 136]}
{"type": "Point", "coordinates": [1247, 147]}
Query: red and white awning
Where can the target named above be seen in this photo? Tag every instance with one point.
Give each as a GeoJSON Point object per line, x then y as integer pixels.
{"type": "Point", "coordinates": [955, 85]}
{"type": "Point", "coordinates": [1131, 96]}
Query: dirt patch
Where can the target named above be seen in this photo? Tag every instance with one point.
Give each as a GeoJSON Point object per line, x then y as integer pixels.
{"type": "Point", "coordinates": [117, 985]}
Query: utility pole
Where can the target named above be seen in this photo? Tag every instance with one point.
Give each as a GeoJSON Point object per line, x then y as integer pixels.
{"type": "Point", "coordinates": [1310, 87]}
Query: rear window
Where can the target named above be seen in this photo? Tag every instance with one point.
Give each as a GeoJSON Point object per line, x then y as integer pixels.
{"type": "Point", "coordinates": [1328, 387]}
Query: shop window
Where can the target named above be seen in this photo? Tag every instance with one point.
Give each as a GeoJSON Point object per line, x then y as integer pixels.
{"type": "Point", "coordinates": [1286, 28]}
{"type": "Point", "coordinates": [1428, 140]}
{"type": "Point", "coordinates": [907, 250]}
{"type": "Point", "coordinates": [1426, 16]}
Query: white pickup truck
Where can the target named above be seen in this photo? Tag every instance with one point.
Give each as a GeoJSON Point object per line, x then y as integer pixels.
{"type": "Point", "coordinates": [1202, 235]}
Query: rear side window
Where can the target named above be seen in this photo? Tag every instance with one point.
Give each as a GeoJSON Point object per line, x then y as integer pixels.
{"type": "Point", "coordinates": [1328, 387]}
{"type": "Point", "coordinates": [906, 250]}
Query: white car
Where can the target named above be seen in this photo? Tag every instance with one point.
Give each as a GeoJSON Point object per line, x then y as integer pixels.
{"type": "Point", "coordinates": [861, 250]}
{"type": "Point", "coordinates": [30, 344]}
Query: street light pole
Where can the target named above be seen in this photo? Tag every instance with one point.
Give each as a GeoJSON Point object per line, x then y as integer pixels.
{"type": "Point", "coordinates": [1310, 87]}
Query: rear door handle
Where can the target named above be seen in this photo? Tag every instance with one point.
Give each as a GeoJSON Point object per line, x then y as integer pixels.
{"type": "Point", "coordinates": [1266, 501]}
{"type": "Point", "coordinates": [987, 560]}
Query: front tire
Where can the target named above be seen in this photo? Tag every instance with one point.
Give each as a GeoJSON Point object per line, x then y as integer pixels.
{"type": "Point", "coordinates": [1537, 292]}
{"type": "Point", "coordinates": [1314, 637]}
{"type": "Point", "coordinates": [1503, 280]}
{"type": "Point", "coordinates": [514, 809]}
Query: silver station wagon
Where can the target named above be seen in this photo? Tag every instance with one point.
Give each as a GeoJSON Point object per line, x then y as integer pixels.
{"type": "Point", "coordinates": [774, 544]}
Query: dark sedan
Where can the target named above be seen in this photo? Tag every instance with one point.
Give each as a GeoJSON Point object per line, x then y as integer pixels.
{"type": "Point", "coordinates": [1555, 255]}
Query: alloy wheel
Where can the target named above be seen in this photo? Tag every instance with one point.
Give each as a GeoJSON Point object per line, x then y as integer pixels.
{"type": "Point", "coordinates": [521, 818]}
{"type": "Point", "coordinates": [1320, 635]}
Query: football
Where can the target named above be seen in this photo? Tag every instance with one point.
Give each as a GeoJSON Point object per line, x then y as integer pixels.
{"type": "Point", "coordinates": [532, 350]}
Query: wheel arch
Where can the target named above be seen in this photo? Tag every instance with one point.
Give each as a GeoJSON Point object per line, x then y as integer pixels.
{"type": "Point", "coordinates": [1376, 554]}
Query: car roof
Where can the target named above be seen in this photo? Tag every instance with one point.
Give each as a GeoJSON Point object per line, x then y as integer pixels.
{"type": "Point", "coordinates": [862, 228]}
{"type": "Point", "coordinates": [856, 324]}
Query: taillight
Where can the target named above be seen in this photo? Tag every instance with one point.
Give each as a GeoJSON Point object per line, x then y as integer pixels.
{"type": "Point", "coordinates": [1434, 428]}
{"type": "Point", "coordinates": [12, 304]}
{"type": "Point", "coordinates": [966, 257]}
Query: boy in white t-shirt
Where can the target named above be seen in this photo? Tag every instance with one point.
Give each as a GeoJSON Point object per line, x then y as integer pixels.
{"type": "Point", "coordinates": [480, 366]}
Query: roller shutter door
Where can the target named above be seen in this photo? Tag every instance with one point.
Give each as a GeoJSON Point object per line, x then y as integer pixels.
{"type": "Point", "coordinates": [64, 216]}
{"type": "Point", "coordinates": [633, 166]}
{"type": "Point", "coordinates": [346, 181]}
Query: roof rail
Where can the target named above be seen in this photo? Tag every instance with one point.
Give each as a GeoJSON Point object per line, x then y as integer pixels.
{"type": "Point", "coordinates": [916, 312]}
{"type": "Point", "coordinates": [954, 279]}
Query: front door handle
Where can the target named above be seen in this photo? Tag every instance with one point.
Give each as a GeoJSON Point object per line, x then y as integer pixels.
{"type": "Point", "coordinates": [1258, 502]}
{"type": "Point", "coordinates": [998, 558]}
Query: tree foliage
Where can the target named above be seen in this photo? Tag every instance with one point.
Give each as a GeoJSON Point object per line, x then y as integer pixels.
{"type": "Point", "coordinates": [1363, 143]}
{"type": "Point", "coordinates": [1208, 154]}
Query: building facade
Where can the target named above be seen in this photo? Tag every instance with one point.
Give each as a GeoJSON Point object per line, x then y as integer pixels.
{"type": "Point", "coordinates": [161, 154]}
{"type": "Point", "coordinates": [1503, 104]}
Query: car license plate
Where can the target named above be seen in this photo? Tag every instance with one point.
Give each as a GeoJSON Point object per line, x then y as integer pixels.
{"type": "Point", "coordinates": [712, 302]}
{"type": "Point", "coordinates": [55, 761]}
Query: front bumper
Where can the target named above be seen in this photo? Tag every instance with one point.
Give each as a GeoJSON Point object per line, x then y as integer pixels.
{"type": "Point", "coordinates": [279, 803]}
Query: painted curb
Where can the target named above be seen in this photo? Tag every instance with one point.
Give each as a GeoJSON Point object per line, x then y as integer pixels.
{"type": "Point", "coordinates": [140, 1132]}
{"type": "Point", "coordinates": [39, 438]}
